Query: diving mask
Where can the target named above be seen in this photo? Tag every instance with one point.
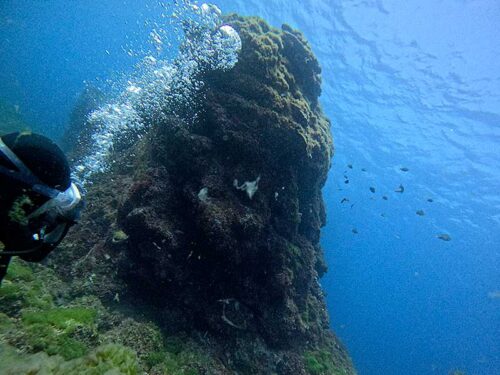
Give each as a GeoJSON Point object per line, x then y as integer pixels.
{"type": "Point", "coordinates": [61, 204]}
{"type": "Point", "coordinates": [65, 204]}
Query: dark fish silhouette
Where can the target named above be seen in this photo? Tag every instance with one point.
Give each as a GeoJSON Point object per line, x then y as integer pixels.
{"type": "Point", "coordinates": [430, 200]}
{"type": "Point", "coordinates": [344, 200]}
{"type": "Point", "coordinates": [404, 169]}
{"type": "Point", "coordinates": [349, 166]}
{"type": "Point", "coordinates": [400, 189]}
{"type": "Point", "coordinates": [372, 189]}
{"type": "Point", "coordinates": [363, 169]}
{"type": "Point", "coordinates": [384, 198]}
{"type": "Point", "coordinates": [346, 181]}
{"type": "Point", "coordinates": [444, 237]}
{"type": "Point", "coordinates": [420, 213]}
{"type": "Point", "coordinates": [354, 230]}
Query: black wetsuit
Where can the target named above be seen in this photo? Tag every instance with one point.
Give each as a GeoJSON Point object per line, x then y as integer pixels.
{"type": "Point", "coordinates": [18, 200]}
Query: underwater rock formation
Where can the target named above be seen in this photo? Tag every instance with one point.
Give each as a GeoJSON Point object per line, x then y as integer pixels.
{"type": "Point", "coordinates": [210, 228]}
{"type": "Point", "coordinates": [224, 218]}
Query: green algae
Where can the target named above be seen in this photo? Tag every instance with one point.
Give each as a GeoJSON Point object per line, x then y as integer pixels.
{"type": "Point", "coordinates": [5, 322]}
{"type": "Point", "coordinates": [45, 338]}
{"type": "Point", "coordinates": [19, 272]}
{"type": "Point", "coordinates": [119, 236]}
{"type": "Point", "coordinates": [186, 362]}
{"type": "Point", "coordinates": [62, 318]}
{"type": "Point", "coordinates": [51, 330]}
{"type": "Point", "coordinates": [144, 338]}
{"type": "Point", "coordinates": [321, 362]}
{"type": "Point", "coordinates": [22, 289]}
{"type": "Point", "coordinates": [42, 337]}
{"type": "Point", "coordinates": [179, 357]}
{"type": "Point", "coordinates": [28, 295]}
{"type": "Point", "coordinates": [17, 213]}
{"type": "Point", "coordinates": [106, 359]}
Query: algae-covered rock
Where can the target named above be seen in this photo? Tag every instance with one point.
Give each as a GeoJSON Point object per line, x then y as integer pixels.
{"type": "Point", "coordinates": [212, 225]}
{"type": "Point", "coordinates": [29, 286]}
{"type": "Point", "coordinates": [104, 360]}
{"type": "Point", "coordinates": [44, 330]}
{"type": "Point", "coordinates": [143, 338]}
{"type": "Point", "coordinates": [52, 330]}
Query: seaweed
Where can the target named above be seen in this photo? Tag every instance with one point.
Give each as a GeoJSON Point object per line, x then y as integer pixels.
{"type": "Point", "coordinates": [105, 359]}
{"type": "Point", "coordinates": [321, 362]}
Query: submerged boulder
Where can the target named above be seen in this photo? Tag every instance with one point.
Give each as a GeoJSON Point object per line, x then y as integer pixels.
{"type": "Point", "coordinates": [213, 225]}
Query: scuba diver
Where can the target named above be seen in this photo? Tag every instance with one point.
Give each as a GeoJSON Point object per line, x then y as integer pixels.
{"type": "Point", "coordinates": [38, 200]}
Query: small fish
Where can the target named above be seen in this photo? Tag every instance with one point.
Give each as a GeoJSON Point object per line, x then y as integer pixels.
{"type": "Point", "coordinates": [444, 237]}
{"type": "Point", "coordinates": [384, 198]}
{"type": "Point", "coordinates": [344, 200]}
{"type": "Point", "coordinates": [346, 177]}
{"type": "Point", "coordinates": [400, 189]}
{"type": "Point", "coordinates": [349, 166]}
{"type": "Point", "coordinates": [352, 205]}
{"type": "Point", "coordinates": [430, 200]}
{"type": "Point", "coordinates": [372, 189]}
{"type": "Point", "coordinates": [420, 212]}
{"type": "Point", "coordinates": [494, 294]}
{"type": "Point", "coordinates": [354, 230]}
{"type": "Point", "coordinates": [363, 169]}
{"type": "Point", "coordinates": [383, 215]}
{"type": "Point", "coordinates": [346, 181]}
{"type": "Point", "coordinates": [404, 169]}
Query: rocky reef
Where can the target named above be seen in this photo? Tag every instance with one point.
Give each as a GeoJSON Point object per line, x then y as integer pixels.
{"type": "Point", "coordinates": [198, 252]}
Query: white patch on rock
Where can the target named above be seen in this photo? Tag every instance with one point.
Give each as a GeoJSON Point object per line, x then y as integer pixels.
{"type": "Point", "coordinates": [250, 187]}
{"type": "Point", "coordinates": [203, 195]}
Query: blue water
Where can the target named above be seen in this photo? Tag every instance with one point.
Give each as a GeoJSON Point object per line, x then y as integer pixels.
{"type": "Point", "coordinates": [412, 84]}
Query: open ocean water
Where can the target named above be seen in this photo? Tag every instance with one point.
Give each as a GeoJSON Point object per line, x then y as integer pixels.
{"type": "Point", "coordinates": [413, 92]}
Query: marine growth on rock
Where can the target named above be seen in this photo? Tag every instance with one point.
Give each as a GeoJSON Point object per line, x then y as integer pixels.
{"type": "Point", "coordinates": [209, 226]}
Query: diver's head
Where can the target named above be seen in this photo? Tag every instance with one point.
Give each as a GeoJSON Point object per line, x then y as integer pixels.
{"type": "Point", "coordinates": [41, 156]}
{"type": "Point", "coordinates": [38, 201]}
